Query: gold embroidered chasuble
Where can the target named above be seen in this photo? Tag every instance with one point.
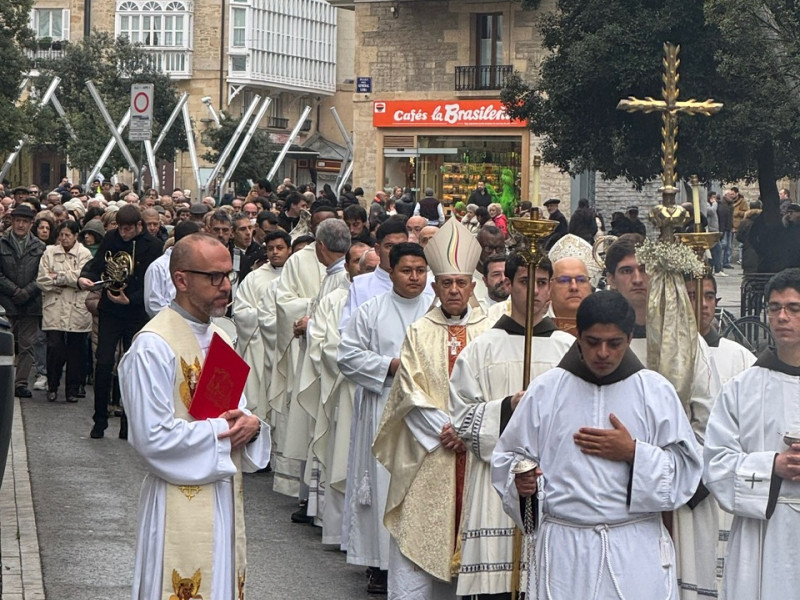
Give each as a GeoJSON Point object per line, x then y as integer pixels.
{"type": "Point", "coordinates": [189, 536]}
{"type": "Point", "coordinates": [421, 508]}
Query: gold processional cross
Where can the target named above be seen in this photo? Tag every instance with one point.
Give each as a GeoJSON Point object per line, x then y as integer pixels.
{"type": "Point", "coordinates": [667, 216]}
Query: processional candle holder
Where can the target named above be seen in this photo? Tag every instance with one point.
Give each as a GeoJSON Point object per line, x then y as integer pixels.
{"type": "Point", "coordinates": [532, 232]}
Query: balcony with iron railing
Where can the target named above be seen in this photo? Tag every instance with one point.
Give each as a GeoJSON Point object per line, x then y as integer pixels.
{"type": "Point", "coordinates": [482, 77]}
{"type": "Point", "coordinates": [174, 62]}
{"type": "Point", "coordinates": [306, 126]}
{"type": "Point", "coordinates": [278, 123]}
{"type": "Point", "coordinates": [43, 54]}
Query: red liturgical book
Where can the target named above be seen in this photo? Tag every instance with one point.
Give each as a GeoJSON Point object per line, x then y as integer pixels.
{"type": "Point", "coordinates": [221, 382]}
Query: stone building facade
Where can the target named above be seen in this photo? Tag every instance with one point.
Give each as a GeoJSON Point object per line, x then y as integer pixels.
{"type": "Point", "coordinates": [425, 112]}
{"type": "Point", "coordinates": [297, 52]}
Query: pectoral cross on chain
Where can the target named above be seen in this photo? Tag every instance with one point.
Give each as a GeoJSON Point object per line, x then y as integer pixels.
{"type": "Point", "coordinates": [753, 481]}
{"type": "Point", "coordinates": [455, 345]}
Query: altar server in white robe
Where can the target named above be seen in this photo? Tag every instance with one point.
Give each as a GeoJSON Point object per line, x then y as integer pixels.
{"type": "Point", "coordinates": [614, 448]}
{"type": "Point", "coordinates": [369, 356]}
{"type": "Point", "coordinates": [251, 297]}
{"type": "Point", "coordinates": [728, 359]}
{"type": "Point", "coordinates": [159, 291]}
{"type": "Point", "coordinates": [484, 391]}
{"type": "Point", "coordinates": [392, 231]}
{"type": "Point", "coordinates": [191, 520]}
{"type": "Point", "coordinates": [298, 285]}
{"type": "Point", "coordinates": [331, 441]}
{"type": "Point", "coordinates": [752, 457]}
{"type": "Point", "coordinates": [332, 242]}
{"type": "Point", "coordinates": [695, 527]}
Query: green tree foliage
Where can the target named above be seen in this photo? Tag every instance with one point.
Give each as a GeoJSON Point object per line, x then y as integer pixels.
{"type": "Point", "coordinates": [743, 53]}
{"type": "Point", "coordinates": [257, 159]}
{"type": "Point", "coordinates": [14, 35]}
{"type": "Point", "coordinates": [113, 65]}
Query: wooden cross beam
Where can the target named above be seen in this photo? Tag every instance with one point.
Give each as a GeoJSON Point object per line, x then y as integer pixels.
{"type": "Point", "coordinates": [670, 108]}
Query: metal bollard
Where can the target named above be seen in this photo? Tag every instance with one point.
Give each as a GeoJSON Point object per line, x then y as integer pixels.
{"type": "Point", "coordinates": [6, 388]}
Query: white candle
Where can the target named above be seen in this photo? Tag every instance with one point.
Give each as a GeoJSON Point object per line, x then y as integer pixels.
{"type": "Point", "coordinates": [696, 201]}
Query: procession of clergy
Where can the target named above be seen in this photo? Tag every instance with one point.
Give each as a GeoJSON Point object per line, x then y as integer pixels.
{"type": "Point", "coordinates": [391, 377]}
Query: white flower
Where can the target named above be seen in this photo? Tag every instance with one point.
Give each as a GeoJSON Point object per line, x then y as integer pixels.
{"type": "Point", "coordinates": [669, 257]}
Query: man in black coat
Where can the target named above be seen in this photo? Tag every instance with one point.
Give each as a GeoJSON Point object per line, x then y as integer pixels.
{"type": "Point", "coordinates": [20, 253]}
{"type": "Point", "coordinates": [555, 215]}
{"type": "Point", "coordinates": [122, 313]}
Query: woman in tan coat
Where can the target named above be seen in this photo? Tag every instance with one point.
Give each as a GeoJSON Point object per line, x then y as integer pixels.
{"type": "Point", "coordinates": [65, 319]}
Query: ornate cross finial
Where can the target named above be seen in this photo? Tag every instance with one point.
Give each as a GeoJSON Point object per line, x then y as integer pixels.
{"type": "Point", "coordinates": [668, 216]}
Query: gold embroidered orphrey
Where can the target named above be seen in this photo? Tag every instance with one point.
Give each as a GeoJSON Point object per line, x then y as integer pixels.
{"type": "Point", "coordinates": [186, 588]}
{"type": "Point", "coordinates": [189, 508]}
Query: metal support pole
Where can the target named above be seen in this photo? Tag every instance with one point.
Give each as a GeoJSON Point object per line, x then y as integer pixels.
{"type": "Point", "coordinates": [345, 176]}
{"type": "Point", "coordinates": [152, 149]}
{"type": "Point", "coordinates": [243, 146]}
{"type": "Point", "coordinates": [61, 113]}
{"type": "Point", "coordinates": [187, 124]}
{"type": "Point", "coordinates": [171, 121]}
{"type": "Point", "coordinates": [151, 164]}
{"type": "Point", "coordinates": [226, 152]}
{"type": "Point", "coordinates": [347, 140]}
{"type": "Point", "coordinates": [288, 143]}
{"type": "Point", "coordinates": [112, 127]}
{"type": "Point", "coordinates": [109, 148]}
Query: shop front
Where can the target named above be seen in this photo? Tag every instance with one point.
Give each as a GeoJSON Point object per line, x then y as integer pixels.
{"type": "Point", "coordinates": [449, 146]}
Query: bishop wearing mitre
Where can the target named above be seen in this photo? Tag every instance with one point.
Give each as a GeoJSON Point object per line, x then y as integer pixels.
{"type": "Point", "coordinates": [416, 441]}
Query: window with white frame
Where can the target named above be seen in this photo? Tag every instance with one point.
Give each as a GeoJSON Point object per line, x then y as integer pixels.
{"type": "Point", "coordinates": [51, 23]}
{"type": "Point", "coordinates": [158, 23]}
{"type": "Point", "coordinates": [239, 28]}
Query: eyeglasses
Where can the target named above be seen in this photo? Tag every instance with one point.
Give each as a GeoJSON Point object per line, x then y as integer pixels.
{"type": "Point", "coordinates": [566, 279]}
{"type": "Point", "coordinates": [792, 309]}
{"type": "Point", "coordinates": [217, 277]}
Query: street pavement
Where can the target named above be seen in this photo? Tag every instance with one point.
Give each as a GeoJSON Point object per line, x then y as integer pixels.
{"type": "Point", "coordinates": [85, 496]}
{"type": "Point", "coordinates": [84, 502]}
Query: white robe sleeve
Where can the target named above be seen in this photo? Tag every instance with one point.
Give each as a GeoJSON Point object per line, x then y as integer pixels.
{"type": "Point", "coordinates": [476, 418]}
{"type": "Point", "coordinates": [176, 450]}
{"type": "Point", "coordinates": [245, 310]}
{"type": "Point", "coordinates": [705, 388]}
{"type": "Point", "coordinates": [740, 481]}
{"type": "Point", "coordinates": [519, 441]}
{"type": "Point", "coordinates": [426, 425]}
{"type": "Point", "coordinates": [358, 362]}
{"type": "Point", "coordinates": [158, 289]}
{"type": "Point", "coordinates": [667, 467]}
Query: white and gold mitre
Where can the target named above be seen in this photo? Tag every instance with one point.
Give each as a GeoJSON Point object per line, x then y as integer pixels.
{"type": "Point", "coordinates": [571, 246]}
{"type": "Point", "coordinates": [453, 250]}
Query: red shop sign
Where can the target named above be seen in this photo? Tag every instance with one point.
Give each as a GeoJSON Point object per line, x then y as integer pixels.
{"type": "Point", "coordinates": [441, 113]}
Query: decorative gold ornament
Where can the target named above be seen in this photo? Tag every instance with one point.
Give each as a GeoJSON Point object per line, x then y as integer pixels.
{"type": "Point", "coordinates": [667, 216]}
{"type": "Point", "coordinates": [186, 588]}
{"type": "Point", "coordinates": [190, 491]}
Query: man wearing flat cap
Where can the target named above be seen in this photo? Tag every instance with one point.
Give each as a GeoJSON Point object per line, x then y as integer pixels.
{"type": "Point", "coordinates": [20, 253]}
{"type": "Point", "coordinates": [555, 215]}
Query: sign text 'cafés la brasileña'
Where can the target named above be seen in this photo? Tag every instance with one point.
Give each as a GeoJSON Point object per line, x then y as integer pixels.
{"type": "Point", "coordinates": [441, 113]}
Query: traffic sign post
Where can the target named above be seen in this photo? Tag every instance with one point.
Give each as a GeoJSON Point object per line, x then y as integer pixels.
{"type": "Point", "coordinates": [141, 125]}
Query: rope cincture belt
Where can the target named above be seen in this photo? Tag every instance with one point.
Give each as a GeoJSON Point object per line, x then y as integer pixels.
{"type": "Point", "coordinates": [602, 530]}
